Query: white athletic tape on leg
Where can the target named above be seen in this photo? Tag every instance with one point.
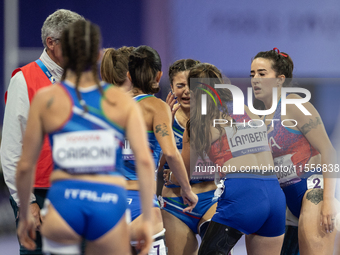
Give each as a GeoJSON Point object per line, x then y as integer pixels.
{"type": "Point", "coordinates": [50, 246]}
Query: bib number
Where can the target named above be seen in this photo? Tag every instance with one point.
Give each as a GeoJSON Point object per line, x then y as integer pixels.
{"type": "Point", "coordinates": [315, 181]}
{"type": "Point", "coordinates": [158, 248]}
{"type": "Point", "coordinates": [129, 201]}
{"type": "Point", "coordinates": [202, 169]}
{"type": "Point", "coordinates": [84, 152]}
{"type": "Point", "coordinates": [284, 168]}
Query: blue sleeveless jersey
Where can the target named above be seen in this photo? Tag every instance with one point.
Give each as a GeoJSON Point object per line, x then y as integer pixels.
{"type": "Point", "coordinates": [88, 142]}
{"type": "Point", "coordinates": [128, 157]}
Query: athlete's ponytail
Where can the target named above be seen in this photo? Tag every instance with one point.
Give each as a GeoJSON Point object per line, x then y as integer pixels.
{"type": "Point", "coordinates": [144, 65]}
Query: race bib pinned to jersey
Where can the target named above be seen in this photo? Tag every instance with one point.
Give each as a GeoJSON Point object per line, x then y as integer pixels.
{"type": "Point", "coordinates": [247, 140]}
{"type": "Point", "coordinates": [85, 152]}
{"type": "Point", "coordinates": [315, 181]}
{"type": "Point", "coordinates": [284, 169]}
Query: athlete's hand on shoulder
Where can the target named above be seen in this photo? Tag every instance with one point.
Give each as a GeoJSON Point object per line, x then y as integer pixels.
{"type": "Point", "coordinates": [26, 232]}
{"type": "Point", "coordinates": [328, 214]}
{"type": "Point", "coordinates": [190, 199]}
{"type": "Point", "coordinates": [144, 237]}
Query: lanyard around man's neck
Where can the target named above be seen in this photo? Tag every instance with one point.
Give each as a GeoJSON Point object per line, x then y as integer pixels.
{"type": "Point", "coordinates": [45, 70]}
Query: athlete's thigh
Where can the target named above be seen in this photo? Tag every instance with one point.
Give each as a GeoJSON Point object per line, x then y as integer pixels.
{"type": "Point", "coordinates": [207, 216]}
{"type": "Point", "coordinates": [261, 245]}
{"type": "Point", "coordinates": [179, 237]}
{"type": "Point", "coordinates": [56, 228]}
{"type": "Point", "coordinates": [115, 241]}
{"type": "Point", "coordinates": [312, 237]}
{"type": "Point", "coordinates": [337, 243]}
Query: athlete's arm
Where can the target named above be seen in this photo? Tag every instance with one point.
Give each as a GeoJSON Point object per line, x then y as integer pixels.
{"type": "Point", "coordinates": [32, 143]}
{"type": "Point", "coordinates": [165, 137]}
{"type": "Point", "coordinates": [168, 179]}
{"type": "Point", "coordinates": [136, 134]}
{"type": "Point", "coordinates": [313, 129]}
{"type": "Point", "coordinates": [189, 166]}
{"type": "Point", "coordinates": [161, 163]}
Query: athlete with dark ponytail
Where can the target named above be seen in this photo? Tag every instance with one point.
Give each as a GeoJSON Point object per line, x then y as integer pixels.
{"type": "Point", "coordinates": [304, 148]}
{"type": "Point", "coordinates": [145, 74]}
{"type": "Point", "coordinates": [86, 122]}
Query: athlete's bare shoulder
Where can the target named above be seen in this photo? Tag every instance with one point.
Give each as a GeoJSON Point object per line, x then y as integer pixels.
{"type": "Point", "coordinates": [45, 95]}
{"type": "Point", "coordinates": [117, 105]}
{"type": "Point", "coordinates": [114, 93]}
{"type": "Point", "coordinates": [293, 96]}
{"type": "Point", "coordinates": [153, 104]}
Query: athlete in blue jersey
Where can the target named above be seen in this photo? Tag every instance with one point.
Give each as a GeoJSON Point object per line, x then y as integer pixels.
{"type": "Point", "coordinates": [114, 68]}
{"type": "Point", "coordinates": [145, 74]}
{"type": "Point", "coordinates": [86, 123]}
{"type": "Point", "coordinates": [158, 245]}
{"type": "Point", "coordinates": [196, 222]}
{"type": "Point", "coordinates": [304, 148]}
{"type": "Point", "coordinates": [250, 199]}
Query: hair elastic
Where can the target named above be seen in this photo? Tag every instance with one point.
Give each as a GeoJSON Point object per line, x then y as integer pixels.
{"type": "Point", "coordinates": [278, 52]}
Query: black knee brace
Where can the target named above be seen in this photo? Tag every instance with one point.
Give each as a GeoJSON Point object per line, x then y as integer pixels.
{"type": "Point", "coordinates": [219, 239]}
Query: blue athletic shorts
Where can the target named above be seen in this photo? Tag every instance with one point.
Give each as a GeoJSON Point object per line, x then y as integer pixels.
{"type": "Point", "coordinates": [295, 192]}
{"type": "Point", "coordinates": [134, 204]}
{"type": "Point", "coordinates": [175, 206]}
{"type": "Point", "coordinates": [91, 209]}
{"type": "Point", "coordinates": [252, 204]}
